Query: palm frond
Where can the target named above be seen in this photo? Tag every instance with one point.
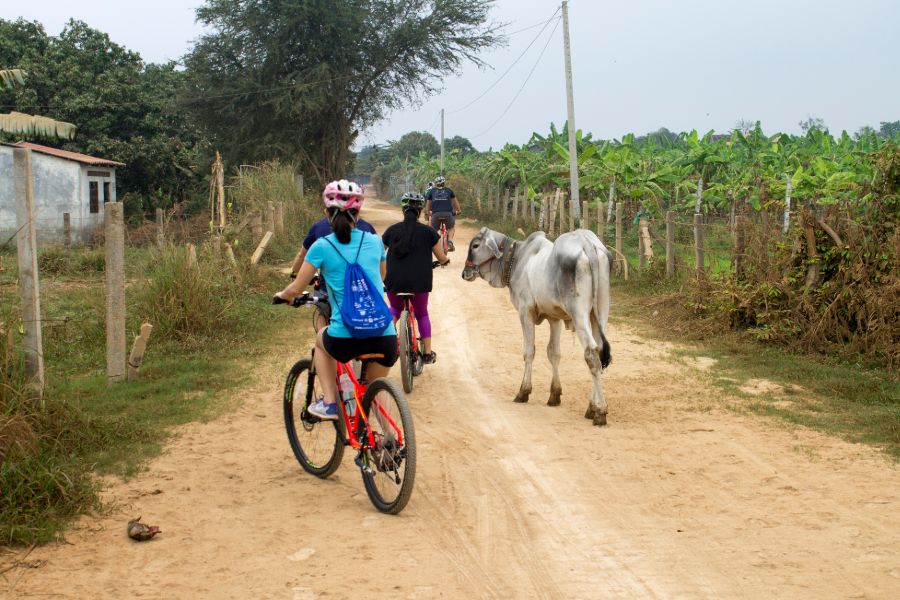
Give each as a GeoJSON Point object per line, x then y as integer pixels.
{"type": "Point", "coordinates": [11, 77]}
{"type": "Point", "coordinates": [22, 124]}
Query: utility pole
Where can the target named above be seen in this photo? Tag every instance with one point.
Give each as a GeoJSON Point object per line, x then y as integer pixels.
{"type": "Point", "coordinates": [570, 108]}
{"type": "Point", "coordinates": [442, 141]}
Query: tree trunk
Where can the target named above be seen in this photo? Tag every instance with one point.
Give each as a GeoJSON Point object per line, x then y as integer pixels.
{"type": "Point", "coordinates": [812, 254]}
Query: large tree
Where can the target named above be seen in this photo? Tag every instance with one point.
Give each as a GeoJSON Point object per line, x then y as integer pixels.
{"type": "Point", "coordinates": [301, 78]}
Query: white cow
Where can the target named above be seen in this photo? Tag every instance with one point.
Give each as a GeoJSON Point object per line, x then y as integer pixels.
{"type": "Point", "coordinates": [566, 282]}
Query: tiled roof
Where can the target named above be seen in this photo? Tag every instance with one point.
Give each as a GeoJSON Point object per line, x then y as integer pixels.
{"type": "Point", "coordinates": [75, 156]}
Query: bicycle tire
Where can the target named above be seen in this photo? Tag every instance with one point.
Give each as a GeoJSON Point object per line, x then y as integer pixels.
{"type": "Point", "coordinates": [419, 362]}
{"type": "Point", "coordinates": [388, 462]}
{"type": "Point", "coordinates": [444, 245]}
{"type": "Point", "coordinates": [329, 434]}
{"type": "Point", "coordinates": [406, 364]}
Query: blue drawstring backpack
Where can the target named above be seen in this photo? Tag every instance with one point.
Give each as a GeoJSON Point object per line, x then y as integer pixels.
{"type": "Point", "coordinates": [363, 310]}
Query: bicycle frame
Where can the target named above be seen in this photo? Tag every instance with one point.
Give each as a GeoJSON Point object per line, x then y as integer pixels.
{"type": "Point", "coordinates": [352, 422]}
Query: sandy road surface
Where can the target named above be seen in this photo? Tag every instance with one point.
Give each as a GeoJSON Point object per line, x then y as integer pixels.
{"type": "Point", "coordinates": [674, 499]}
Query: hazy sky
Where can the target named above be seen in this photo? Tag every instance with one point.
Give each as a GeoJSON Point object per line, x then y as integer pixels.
{"type": "Point", "coordinates": [638, 64]}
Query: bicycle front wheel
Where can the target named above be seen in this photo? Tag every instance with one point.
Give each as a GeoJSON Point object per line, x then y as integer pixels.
{"type": "Point", "coordinates": [407, 361]}
{"type": "Point", "coordinates": [391, 466]}
{"type": "Point", "coordinates": [318, 445]}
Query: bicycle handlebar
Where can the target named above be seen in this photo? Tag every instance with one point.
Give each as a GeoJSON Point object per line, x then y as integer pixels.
{"type": "Point", "coordinates": [301, 300]}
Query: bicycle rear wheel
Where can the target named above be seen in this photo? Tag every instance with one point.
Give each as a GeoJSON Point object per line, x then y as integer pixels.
{"type": "Point", "coordinates": [444, 245]}
{"type": "Point", "coordinates": [318, 445]}
{"type": "Point", "coordinates": [391, 466]}
{"type": "Point", "coordinates": [407, 360]}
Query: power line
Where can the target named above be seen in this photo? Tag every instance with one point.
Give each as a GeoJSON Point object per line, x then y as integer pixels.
{"type": "Point", "coordinates": [516, 97]}
{"type": "Point", "coordinates": [515, 62]}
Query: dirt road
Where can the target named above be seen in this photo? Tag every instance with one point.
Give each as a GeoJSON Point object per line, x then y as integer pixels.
{"type": "Point", "coordinates": [675, 498]}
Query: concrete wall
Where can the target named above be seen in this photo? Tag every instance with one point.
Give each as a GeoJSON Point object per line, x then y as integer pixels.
{"type": "Point", "coordinates": [60, 186]}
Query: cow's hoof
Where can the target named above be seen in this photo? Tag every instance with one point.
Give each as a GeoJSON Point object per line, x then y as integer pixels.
{"type": "Point", "coordinates": [589, 413]}
{"type": "Point", "coordinates": [521, 398]}
{"type": "Point", "coordinates": [554, 400]}
{"type": "Point", "coordinates": [599, 420]}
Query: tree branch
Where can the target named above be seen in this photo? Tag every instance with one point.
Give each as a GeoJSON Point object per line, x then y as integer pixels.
{"type": "Point", "coordinates": [831, 232]}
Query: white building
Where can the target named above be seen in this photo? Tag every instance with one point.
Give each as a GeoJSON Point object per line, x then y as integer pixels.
{"type": "Point", "coordinates": [64, 182]}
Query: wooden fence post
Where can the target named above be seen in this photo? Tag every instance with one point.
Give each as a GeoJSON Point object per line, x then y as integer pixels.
{"type": "Point", "coordinates": [229, 253]}
{"type": "Point", "coordinates": [279, 217]}
{"type": "Point", "coordinates": [115, 291]}
{"type": "Point", "coordinates": [670, 244]}
{"type": "Point", "coordinates": [478, 196]}
{"type": "Point", "coordinates": [551, 214]}
{"type": "Point", "coordinates": [562, 212]}
{"type": "Point", "coordinates": [611, 201]}
{"type": "Point", "coordinates": [505, 203]}
{"type": "Point", "coordinates": [191, 256]}
{"type": "Point", "coordinates": [67, 235]}
{"type": "Point", "coordinates": [542, 215]}
{"type": "Point", "coordinates": [572, 207]}
{"type": "Point", "coordinates": [160, 231]}
{"type": "Point", "coordinates": [619, 256]}
{"type": "Point", "coordinates": [137, 351]}
{"type": "Point", "coordinates": [29, 284]}
{"type": "Point", "coordinates": [515, 206]}
{"type": "Point", "coordinates": [257, 254]}
{"type": "Point", "coordinates": [787, 205]}
{"type": "Point", "coordinates": [585, 216]}
{"type": "Point", "coordinates": [525, 203]}
{"type": "Point", "coordinates": [270, 217]}
{"type": "Point", "coordinates": [220, 186]}
{"type": "Point", "coordinates": [601, 226]}
{"type": "Point", "coordinates": [256, 224]}
{"type": "Point", "coordinates": [698, 243]}
{"type": "Point", "coordinates": [646, 243]}
{"type": "Point", "coordinates": [737, 259]}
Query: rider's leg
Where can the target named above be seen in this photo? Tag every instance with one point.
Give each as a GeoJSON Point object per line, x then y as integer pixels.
{"type": "Point", "coordinates": [326, 369]}
{"type": "Point", "coordinates": [396, 305]}
{"type": "Point", "coordinates": [420, 306]}
{"type": "Point", "coordinates": [450, 233]}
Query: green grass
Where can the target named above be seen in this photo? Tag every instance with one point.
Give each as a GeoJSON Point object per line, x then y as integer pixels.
{"type": "Point", "coordinates": [208, 325]}
{"type": "Point", "coordinates": [857, 401]}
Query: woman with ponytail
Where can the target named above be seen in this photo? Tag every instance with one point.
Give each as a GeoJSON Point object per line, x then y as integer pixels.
{"type": "Point", "coordinates": [332, 255]}
{"type": "Point", "coordinates": [410, 245]}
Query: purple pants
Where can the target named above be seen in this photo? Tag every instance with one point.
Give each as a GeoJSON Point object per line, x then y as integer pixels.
{"type": "Point", "coordinates": [420, 308]}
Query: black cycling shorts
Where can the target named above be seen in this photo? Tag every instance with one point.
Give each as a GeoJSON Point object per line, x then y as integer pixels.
{"type": "Point", "coordinates": [346, 349]}
{"type": "Point", "coordinates": [446, 217]}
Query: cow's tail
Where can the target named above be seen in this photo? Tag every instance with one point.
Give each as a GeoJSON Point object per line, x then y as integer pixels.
{"type": "Point", "coordinates": [598, 267]}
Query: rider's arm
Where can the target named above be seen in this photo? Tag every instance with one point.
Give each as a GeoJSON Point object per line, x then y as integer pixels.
{"type": "Point", "coordinates": [455, 200]}
{"type": "Point", "coordinates": [438, 252]}
{"type": "Point", "coordinates": [383, 269]}
{"type": "Point", "coordinates": [428, 207]}
{"type": "Point", "coordinates": [298, 261]}
{"type": "Point", "coordinates": [297, 286]}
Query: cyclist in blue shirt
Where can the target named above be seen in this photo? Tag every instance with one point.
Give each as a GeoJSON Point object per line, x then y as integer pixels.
{"type": "Point", "coordinates": [441, 204]}
{"type": "Point", "coordinates": [330, 255]}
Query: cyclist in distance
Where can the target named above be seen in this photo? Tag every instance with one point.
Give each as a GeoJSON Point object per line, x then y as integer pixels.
{"type": "Point", "coordinates": [410, 245]}
{"type": "Point", "coordinates": [331, 255]}
{"type": "Point", "coordinates": [441, 205]}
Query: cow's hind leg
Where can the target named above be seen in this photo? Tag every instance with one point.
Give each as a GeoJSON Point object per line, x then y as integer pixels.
{"type": "Point", "coordinates": [554, 354]}
{"type": "Point", "coordinates": [528, 355]}
{"type": "Point", "coordinates": [597, 409]}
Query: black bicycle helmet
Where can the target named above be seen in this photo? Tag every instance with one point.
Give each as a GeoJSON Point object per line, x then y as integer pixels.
{"type": "Point", "coordinates": [412, 200]}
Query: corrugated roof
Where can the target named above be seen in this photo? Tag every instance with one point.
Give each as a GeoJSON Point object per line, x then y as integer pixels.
{"type": "Point", "coordinates": [75, 156]}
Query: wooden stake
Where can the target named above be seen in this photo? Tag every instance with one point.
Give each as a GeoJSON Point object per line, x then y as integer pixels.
{"type": "Point", "coordinates": [670, 244]}
{"type": "Point", "coordinates": [229, 252]}
{"type": "Point", "coordinates": [515, 206]}
{"type": "Point", "coordinates": [646, 242]}
{"type": "Point", "coordinates": [698, 243]}
{"type": "Point", "coordinates": [137, 351]}
{"type": "Point", "coordinates": [191, 256]}
{"type": "Point", "coordinates": [585, 217]}
{"type": "Point", "coordinates": [115, 291]}
{"type": "Point", "coordinates": [601, 226]}
{"type": "Point", "coordinates": [257, 254]}
{"type": "Point", "coordinates": [542, 216]}
{"type": "Point", "coordinates": [505, 207]}
{"type": "Point", "coordinates": [279, 217]}
{"type": "Point", "coordinates": [29, 284]}
{"type": "Point", "coordinates": [270, 217]}
{"type": "Point", "coordinates": [619, 215]}
{"type": "Point", "coordinates": [160, 228]}
{"type": "Point", "coordinates": [220, 185]}
{"type": "Point", "coordinates": [67, 236]}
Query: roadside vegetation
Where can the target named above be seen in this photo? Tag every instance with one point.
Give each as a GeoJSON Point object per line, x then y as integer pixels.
{"type": "Point", "coordinates": [208, 320]}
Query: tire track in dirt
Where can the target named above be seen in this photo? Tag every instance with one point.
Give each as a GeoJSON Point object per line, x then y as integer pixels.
{"type": "Point", "coordinates": [675, 498]}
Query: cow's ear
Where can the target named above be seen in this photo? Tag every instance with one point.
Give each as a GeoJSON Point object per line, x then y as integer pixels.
{"type": "Point", "coordinates": [493, 247]}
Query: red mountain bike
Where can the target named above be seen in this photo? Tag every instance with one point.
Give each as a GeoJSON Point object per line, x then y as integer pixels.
{"type": "Point", "coordinates": [376, 422]}
{"type": "Point", "coordinates": [412, 358]}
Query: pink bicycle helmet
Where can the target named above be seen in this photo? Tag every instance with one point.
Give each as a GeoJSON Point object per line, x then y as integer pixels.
{"type": "Point", "coordinates": [343, 194]}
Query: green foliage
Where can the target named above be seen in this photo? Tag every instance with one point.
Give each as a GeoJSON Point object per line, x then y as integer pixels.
{"type": "Point", "coordinates": [301, 79]}
{"type": "Point", "coordinates": [125, 109]}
